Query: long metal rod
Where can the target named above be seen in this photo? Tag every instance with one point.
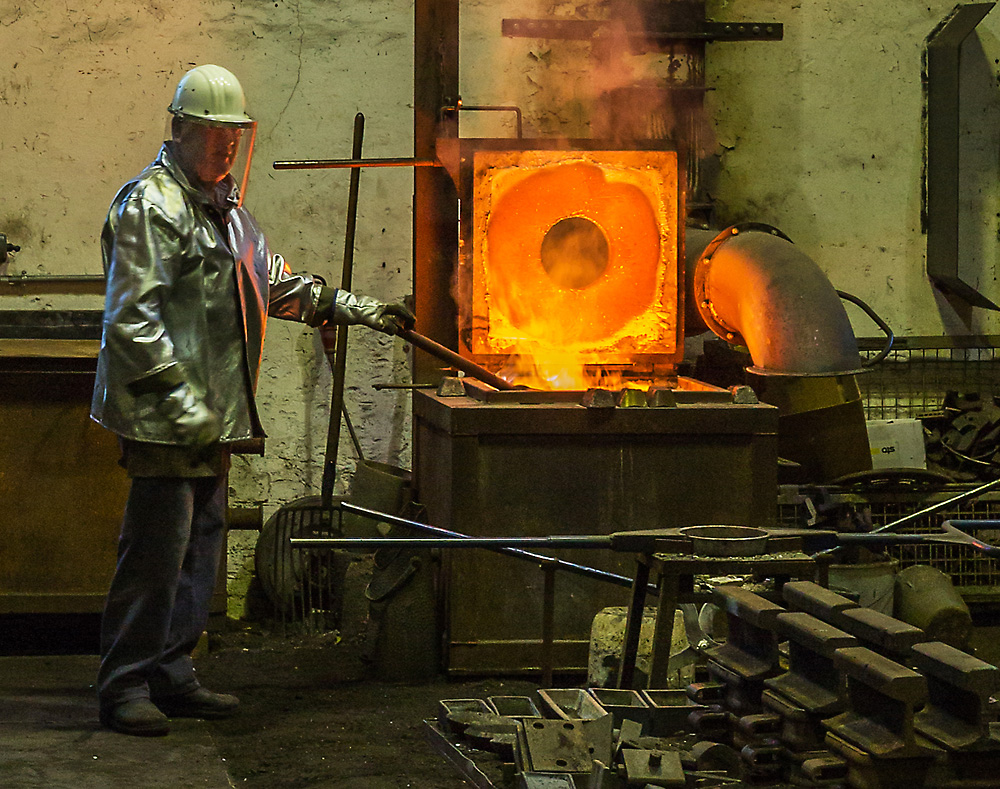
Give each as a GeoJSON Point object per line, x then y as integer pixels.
{"type": "Point", "coordinates": [943, 505]}
{"type": "Point", "coordinates": [354, 163]}
{"type": "Point", "coordinates": [555, 541]}
{"type": "Point", "coordinates": [339, 366]}
{"type": "Point", "coordinates": [570, 567]}
{"type": "Point", "coordinates": [467, 366]}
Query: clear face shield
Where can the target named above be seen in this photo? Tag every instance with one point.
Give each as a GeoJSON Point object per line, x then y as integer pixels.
{"type": "Point", "coordinates": [215, 156]}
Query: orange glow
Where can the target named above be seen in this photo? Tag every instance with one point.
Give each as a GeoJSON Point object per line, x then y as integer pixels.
{"type": "Point", "coordinates": [575, 262]}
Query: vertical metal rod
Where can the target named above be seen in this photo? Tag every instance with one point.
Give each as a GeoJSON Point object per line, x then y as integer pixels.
{"type": "Point", "coordinates": [548, 622]}
{"type": "Point", "coordinates": [633, 625]}
{"type": "Point", "coordinates": [340, 359]}
{"type": "Point", "coordinates": [663, 631]}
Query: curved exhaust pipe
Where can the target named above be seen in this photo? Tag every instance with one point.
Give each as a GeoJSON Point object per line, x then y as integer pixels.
{"type": "Point", "coordinates": [752, 287]}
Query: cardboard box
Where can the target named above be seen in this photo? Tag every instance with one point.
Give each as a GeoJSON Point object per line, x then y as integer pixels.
{"type": "Point", "coordinates": [897, 443]}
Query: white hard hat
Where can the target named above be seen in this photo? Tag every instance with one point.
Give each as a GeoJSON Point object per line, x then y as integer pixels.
{"type": "Point", "coordinates": [213, 94]}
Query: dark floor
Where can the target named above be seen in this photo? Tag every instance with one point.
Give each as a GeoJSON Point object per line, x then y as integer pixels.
{"type": "Point", "coordinates": [310, 716]}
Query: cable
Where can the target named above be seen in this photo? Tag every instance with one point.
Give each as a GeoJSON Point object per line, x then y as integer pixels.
{"type": "Point", "coordinates": [890, 337]}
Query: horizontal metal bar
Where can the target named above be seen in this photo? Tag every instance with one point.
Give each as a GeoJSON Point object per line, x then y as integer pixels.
{"type": "Point", "coordinates": [583, 30]}
{"type": "Point", "coordinates": [556, 541]}
{"type": "Point", "coordinates": [333, 164]}
{"type": "Point", "coordinates": [570, 567]}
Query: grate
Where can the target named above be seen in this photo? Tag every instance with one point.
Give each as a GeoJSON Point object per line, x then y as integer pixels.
{"type": "Point", "coordinates": [915, 377]}
{"type": "Point", "coordinates": [304, 586]}
{"type": "Point", "coordinates": [976, 576]}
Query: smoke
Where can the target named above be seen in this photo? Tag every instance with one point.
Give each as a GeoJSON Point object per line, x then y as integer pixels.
{"type": "Point", "coordinates": [620, 85]}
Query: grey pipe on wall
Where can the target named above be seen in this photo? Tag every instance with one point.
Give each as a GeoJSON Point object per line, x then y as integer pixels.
{"type": "Point", "coordinates": [751, 286]}
{"type": "Point", "coordinates": [757, 289]}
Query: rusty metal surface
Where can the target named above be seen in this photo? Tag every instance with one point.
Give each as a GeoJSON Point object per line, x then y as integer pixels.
{"type": "Point", "coordinates": [557, 746]}
{"type": "Point", "coordinates": [957, 714]}
{"type": "Point", "coordinates": [750, 654]}
{"type": "Point", "coordinates": [61, 492]}
{"type": "Point", "coordinates": [545, 470]}
{"type": "Point", "coordinates": [881, 696]}
{"type": "Point", "coordinates": [435, 201]}
{"type": "Point", "coordinates": [812, 681]}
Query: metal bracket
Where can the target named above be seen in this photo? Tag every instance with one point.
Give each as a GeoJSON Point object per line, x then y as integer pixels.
{"type": "Point", "coordinates": [941, 177]}
{"type": "Point", "coordinates": [584, 30]}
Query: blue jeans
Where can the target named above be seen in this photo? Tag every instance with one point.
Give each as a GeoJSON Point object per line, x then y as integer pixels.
{"type": "Point", "coordinates": [157, 607]}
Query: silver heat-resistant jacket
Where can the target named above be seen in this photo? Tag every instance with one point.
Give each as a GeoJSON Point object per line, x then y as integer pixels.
{"type": "Point", "coordinates": [190, 283]}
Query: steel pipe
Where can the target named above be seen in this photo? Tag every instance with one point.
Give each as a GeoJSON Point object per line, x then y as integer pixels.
{"type": "Point", "coordinates": [756, 288]}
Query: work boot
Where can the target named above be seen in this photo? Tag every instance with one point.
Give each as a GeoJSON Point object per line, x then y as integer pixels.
{"type": "Point", "coordinates": [138, 717]}
{"type": "Point", "coordinates": [198, 703]}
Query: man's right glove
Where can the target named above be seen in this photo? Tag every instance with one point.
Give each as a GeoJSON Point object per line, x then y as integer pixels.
{"type": "Point", "coordinates": [389, 318]}
{"type": "Point", "coordinates": [194, 423]}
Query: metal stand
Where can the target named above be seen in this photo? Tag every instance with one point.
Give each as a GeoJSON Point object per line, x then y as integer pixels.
{"type": "Point", "coordinates": [674, 577]}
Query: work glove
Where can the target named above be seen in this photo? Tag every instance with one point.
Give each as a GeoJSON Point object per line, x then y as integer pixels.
{"type": "Point", "coordinates": [194, 423]}
{"type": "Point", "coordinates": [366, 311]}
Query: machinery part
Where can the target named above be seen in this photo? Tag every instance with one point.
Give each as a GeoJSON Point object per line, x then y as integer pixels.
{"type": "Point", "coordinates": [557, 746]}
{"type": "Point", "coordinates": [726, 540]}
{"type": "Point", "coordinates": [532, 780]}
{"type": "Point", "coordinates": [881, 696]}
{"type": "Point", "coordinates": [514, 706]}
{"type": "Point", "coordinates": [458, 106]}
{"type": "Point", "coordinates": [571, 703]}
{"type": "Point", "coordinates": [623, 704]}
{"type": "Point", "coordinates": [938, 507]}
{"type": "Point", "coordinates": [440, 743]}
{"type": "Point", "coordinates": [671, 710]}
{"type": "Point", "coordinates": [881, 633]}
{"type": "Point", "coordinates": [816, 600]}
{"type": "Point", "coordinates": [926, 598]}
{"type": "Point", "coordinates": [599, 398]}
{"type": "Point", "coordinates": [752, 287]}
{"type": "Point", "coordinates": [653, 768]}
{"type": "Point", "coordinates": [875, 736]}
{"type": "Point", "coordinates": [812, 689]}
{"type": "Point", "coordinates": [584, 30]}
{"type": "Point", "coordinates": [824, 770]}
{"type": "Point", "coordinates": [355, 163]}
{"type": "Point", "coordinates": [452, 537]}
{"type": "Point", "coordinates": [956, 715]}
{"type": "Point", "coordinates": [750, 654]}
{"type": "Point", "coordinates": [449, 711]}
{"type": "Point", "coordinates": [943, 172]}
{"type": "Point", "coordinates": [761, 762]}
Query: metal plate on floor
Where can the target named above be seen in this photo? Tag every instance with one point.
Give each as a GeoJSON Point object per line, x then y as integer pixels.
{"type": "Point", "coordinates": [558, 746]}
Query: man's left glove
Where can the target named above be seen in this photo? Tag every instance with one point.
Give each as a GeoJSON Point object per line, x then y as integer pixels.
{"type": "Point", "coordinates": [375, 314]}
{"type": "Point", "coordinates": [194, 424]}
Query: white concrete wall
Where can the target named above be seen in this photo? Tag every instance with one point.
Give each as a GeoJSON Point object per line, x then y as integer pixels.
{"type": "Point", "coordinates": [819, 134]}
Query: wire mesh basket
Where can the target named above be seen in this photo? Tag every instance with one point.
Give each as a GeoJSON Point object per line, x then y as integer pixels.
{"type": "Point", "coordinates": [918, 373]}
{"type": "Point", "coordinates": [913, 382]}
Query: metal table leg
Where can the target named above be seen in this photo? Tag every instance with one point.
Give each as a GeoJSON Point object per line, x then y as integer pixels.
{"type": "Point", "coordinates": [633, 625]}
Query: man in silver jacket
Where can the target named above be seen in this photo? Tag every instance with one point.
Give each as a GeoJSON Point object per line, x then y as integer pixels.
{"type": "Point", "coordinates": [190, 284]}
